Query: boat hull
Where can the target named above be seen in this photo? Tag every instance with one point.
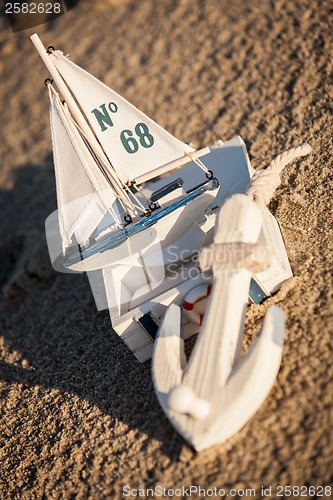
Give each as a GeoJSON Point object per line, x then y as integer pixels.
{"type": "Point", "coordinates": [160, 234]}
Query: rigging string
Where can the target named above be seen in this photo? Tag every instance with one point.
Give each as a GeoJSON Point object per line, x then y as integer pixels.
{"type": "Point", "coordinates": [201, 165]}
{"type": "Point", "coordinates": [48, 83]}
{"type": "Point", "coordinates": [124, 197]}
{"type": "Point", "coordinates": [123, 191]}
{"type": "Point", "coordinates": [95, 180]}
{"type": "Point", "coordinates": [103, 165]}
{"type": "Point", "coordinates": [107, 172]}
{"type": "Point", "coordinates": [139, 204]}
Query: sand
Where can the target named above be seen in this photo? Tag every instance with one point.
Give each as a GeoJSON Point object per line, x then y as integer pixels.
{"type": "Point", "coordinates": [79, 418]}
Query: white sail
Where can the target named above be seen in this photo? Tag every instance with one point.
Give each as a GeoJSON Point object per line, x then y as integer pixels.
{"type": "Point", "coordinates": [83, 194]}
{"type": "Point", "coordinates": [134, 144]}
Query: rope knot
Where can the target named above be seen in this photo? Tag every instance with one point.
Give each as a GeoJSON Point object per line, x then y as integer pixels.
{"type": "Point", "coordinates": [235, 256]}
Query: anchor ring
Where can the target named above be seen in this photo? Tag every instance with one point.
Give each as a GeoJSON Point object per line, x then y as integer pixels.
{"type": "Point", "coordinates": [210, 174]}
{"type": "Point", "coordinates": [128, 219]}
{"type": "Point", "coordinates": [153, 206]}
{"type": "Point", "coordinates": [48, 81]}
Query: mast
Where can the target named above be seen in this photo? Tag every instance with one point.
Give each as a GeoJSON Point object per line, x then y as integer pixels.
{"type": "Point", "coordinates": [83, 125]}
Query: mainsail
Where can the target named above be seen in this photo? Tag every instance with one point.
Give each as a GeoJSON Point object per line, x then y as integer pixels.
{"type": "Point", "coordinates": [135, 145]}
{"type": "Point", "coordinates": [84, 196]}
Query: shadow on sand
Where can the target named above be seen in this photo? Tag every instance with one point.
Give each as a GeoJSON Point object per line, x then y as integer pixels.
{"type": "Point", "coordinates": [52, 329]}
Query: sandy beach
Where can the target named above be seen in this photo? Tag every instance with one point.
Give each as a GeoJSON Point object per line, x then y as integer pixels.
{"type": "Point", "coordinates": [79, 418]}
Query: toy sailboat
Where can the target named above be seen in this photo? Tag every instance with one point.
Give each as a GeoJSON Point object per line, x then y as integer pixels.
{"type": "Point", "coordinates": [104, 151]}
{"type": "Point", "coordinates": [135, 208]}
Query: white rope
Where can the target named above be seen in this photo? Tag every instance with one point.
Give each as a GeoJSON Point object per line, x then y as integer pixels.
{"type": "Point", "coordinates": [198, 162]}
{"type": "Point", "coordinates": [265, 181]}
{"type": "Point", "coordinates": [137, 203]}
{"type": "Point", "coordinates": [235, 255]}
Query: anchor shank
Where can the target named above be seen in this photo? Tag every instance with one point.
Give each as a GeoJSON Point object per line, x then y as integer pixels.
{"type": "Point", "coordinates": [219, 340]}
{"type": "Point", "coordinates": [217, 349]}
